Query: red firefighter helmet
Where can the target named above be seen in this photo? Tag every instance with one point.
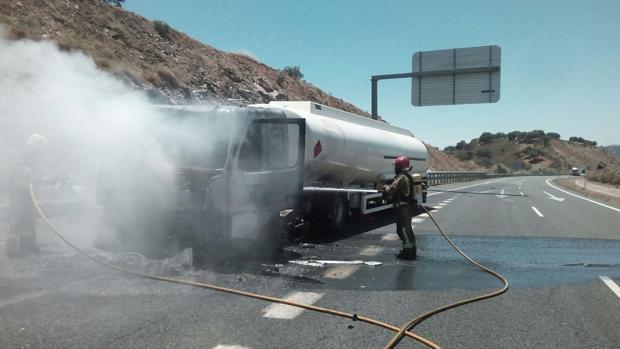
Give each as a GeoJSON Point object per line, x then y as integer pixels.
{"type": "Point", "coordinates": [401, 162]}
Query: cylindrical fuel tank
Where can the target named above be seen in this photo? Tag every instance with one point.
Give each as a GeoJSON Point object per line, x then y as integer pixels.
{"type": "Point", "coordinates": [345, 149]}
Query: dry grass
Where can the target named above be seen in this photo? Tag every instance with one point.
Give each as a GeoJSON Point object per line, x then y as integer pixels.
{"type": "Point", "coordinates": [608, 175]}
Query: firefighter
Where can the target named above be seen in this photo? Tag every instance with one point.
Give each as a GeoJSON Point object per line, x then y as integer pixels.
{"type": "Point", "coordinates": [21, 239]}
{"type": "Point", "coordinates": [401, 191]}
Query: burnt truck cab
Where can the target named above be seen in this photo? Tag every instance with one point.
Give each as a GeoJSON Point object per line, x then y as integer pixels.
{"type": "Point", "coordinates": [228, 176]}
{"type": "Point", "coordinates": [243, 176]}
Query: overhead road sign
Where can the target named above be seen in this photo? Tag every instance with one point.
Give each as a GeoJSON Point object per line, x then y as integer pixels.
{"type": "Point", "coordinates": [456, 76]}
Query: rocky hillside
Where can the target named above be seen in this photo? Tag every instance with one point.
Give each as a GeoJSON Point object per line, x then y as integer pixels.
{"type": "Point", "coordinates": [614, 150]}
{"type": "Point", "coordinates": [169, 65]}
{"type": "Point", "coordinates": [442, 161]}
{"type": "Point", "coordinates": [152, 56]}
{"type": "Point", "coordinates": [531, 151]}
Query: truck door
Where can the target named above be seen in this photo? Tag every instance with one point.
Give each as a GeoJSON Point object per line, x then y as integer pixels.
{"type": "Point", "coordinates": [266, 177]}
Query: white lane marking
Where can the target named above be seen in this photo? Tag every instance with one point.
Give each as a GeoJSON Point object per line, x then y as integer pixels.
{"type": "Point", "coordinates": [469, 186]}
{"type": "Point", "coordinates": [553, 197]}
{"type": "Point", "coordinates": [322, 263]}
{"type": "Point", "coordinates": [417, 220]}
{"type": "Point", "coordinates": [222, 346]}
{"type": "Point", "coordinates": [423, 215]}
{"type": "Point", "coordinates": [441, 204]}
{"type": "Point", "coordinates": [580, 197]}
{"type": "Point", "coordinates": [372, 250]}
{"type": "Point", "coordinates": [501, 194]}
{"type": "Point", "coordinates": [537, 212]}
{"type": "Point", "coordinates": [283, 311]}
{"type": "Point", "coordinates": [521, 193]}
{"type": "Point", "coordinates": [390, 237]}
{"type": "Point", "coordinates": [611, 284]}
{"type": "Point", "coordinates": [340, 271]}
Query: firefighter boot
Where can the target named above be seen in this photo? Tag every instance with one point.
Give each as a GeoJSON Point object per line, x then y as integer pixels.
{"type": "Point", "coordinates": [407, 254]}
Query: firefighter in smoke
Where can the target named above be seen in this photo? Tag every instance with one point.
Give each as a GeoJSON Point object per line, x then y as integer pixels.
{"type": "Point", "coordinates": [401, 191]}
{"type": "Point", "coordinates": [21, 239]}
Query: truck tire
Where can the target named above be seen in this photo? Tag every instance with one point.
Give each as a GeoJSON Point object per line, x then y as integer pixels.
{"type": "Point", "coordinates": [338, 212]}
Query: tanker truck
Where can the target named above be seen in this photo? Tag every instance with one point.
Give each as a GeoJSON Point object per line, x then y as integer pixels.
{"type": "Point", "coordinates": [264, 173]}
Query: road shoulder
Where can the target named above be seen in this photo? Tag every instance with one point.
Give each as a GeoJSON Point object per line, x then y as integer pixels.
{"type": "Point", "coordinates": [604, 194]}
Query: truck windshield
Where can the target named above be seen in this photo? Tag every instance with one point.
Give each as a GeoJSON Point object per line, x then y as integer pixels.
{"type": "Point", "coordinates": [196, 139]}
{"type": "Point", "coordinates": [269, 146]}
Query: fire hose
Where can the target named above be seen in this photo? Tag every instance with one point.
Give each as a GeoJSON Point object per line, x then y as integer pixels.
{"type": "Point", "coordinates": [404, 331]}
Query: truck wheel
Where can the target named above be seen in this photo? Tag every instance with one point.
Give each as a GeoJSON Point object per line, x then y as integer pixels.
{"type": "Point", "coordinates": [339, 210]}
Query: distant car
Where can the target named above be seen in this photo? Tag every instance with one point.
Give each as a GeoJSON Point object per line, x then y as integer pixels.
{"type": "Point", "coordinates": [574, 171]}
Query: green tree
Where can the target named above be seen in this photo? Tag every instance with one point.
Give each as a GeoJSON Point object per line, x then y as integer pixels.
{"type": "Point", "coordinates": [486, 137]}
{"type": "Point", "coordinates": [514, 135]}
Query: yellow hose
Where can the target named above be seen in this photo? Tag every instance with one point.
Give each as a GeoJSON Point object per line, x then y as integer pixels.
{"type": "Point", "coordinates": [323, 310]}
{"type": "Point", "coordinates": [411, 324]}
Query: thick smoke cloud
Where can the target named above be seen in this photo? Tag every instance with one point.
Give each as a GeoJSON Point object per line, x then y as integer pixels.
{"type": "Point", "coordinates": [89, 119]}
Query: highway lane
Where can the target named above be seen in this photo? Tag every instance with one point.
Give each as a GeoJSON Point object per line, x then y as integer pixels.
{"type": "Point", "coordinates": [554, 263]}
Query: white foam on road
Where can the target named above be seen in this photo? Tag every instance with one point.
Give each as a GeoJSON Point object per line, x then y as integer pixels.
{"type": "Point", "coordinates": [371, 250]}
{"type": "Point", "coordinates": [580, 197]}
{"type": "Point", "coordinates": [611, 284]}
{"type": "Point", "coordinates": [537, 212]}
{"type": "Point", "coordinates": [340, 271]}
{"type": "Point", "coordinates": [390, 237]}
{"type": "Point", "coordinates": [322, 263]}
{"type": "Point", "coordinates": [283, 311]}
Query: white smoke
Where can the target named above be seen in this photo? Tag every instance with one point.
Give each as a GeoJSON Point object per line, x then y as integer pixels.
{"type": "Point", "coordinates": [103, 134]}
{"type": "Point", "coordinates": [88, 117]}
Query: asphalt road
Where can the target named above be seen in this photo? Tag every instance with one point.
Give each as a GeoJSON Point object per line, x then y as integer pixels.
{"type": "Point", "coordinates": [554, 248]}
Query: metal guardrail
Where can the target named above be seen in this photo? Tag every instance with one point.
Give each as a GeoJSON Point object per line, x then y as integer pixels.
{"type": "Point", "coordinates": [444, 177]}
{"type": "Point", "coordinates": [435, 178]}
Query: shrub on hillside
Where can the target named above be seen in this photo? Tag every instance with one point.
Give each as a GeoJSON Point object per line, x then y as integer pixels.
{"type": "Point", "coordinates": [117, 3]}
{"type": "Point", "coordinates": [162, 28]}
{"type": "Point", "coordinates": [486, 137]}
{"type": "Point", "coordinates": [532, 153]}
{"type": "Point", "coordinates": [462, 145]}
{"type": "Point", "coordinates": [465, 156]}
{"type": "Point", "coordinates": [294, 72]}
{"type": "Point", "coordinates": [514, 135]}
{"type": "Point", "coordinates": [500, 168]}
{"type": "Point", "coordinates": [609, 175]}
{"type": "Point", "coordinates": [484, 153]}
{"type": "Point", "coordinates": [581, 140]}
{"type": "Point", "coordinates": [532, 136]}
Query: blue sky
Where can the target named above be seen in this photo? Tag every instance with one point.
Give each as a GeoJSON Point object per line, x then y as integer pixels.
{"type": "Point", "coordinates": [560, 59]}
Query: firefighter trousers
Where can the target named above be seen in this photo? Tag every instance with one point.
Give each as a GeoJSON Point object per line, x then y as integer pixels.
{"type": "Point", "coordinates": [403, 226]}
{"type": "Point", "coordinates": [22, 238]}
